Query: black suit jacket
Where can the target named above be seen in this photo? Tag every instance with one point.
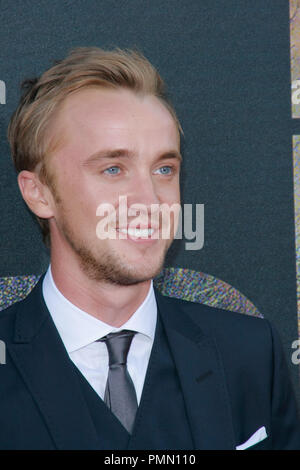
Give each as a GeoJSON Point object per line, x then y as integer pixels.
{"type": "Point", "coordinates": [231, 369]}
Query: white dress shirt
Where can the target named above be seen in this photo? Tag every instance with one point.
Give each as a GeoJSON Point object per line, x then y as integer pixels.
{"type": "Point", "coordinates": [80, 330]}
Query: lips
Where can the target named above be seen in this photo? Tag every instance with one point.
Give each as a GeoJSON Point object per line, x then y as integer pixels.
{"type": "Point", "coordinates": [137, 232]}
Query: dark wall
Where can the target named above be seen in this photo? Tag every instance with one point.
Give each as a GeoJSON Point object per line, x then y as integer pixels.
{"type": "Point", "coordinates": [227, 67]}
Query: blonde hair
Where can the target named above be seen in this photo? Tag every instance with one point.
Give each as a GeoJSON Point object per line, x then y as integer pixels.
{"type": "Point", "coordinates": [84, 67]}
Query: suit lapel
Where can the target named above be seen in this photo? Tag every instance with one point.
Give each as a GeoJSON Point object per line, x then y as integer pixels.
{"type": "Point", "coordinates": [43, 362]}
{"type": "Point", "coordinates": [46, 368]}
{"type": "Point", "coordinates": [201, 375]}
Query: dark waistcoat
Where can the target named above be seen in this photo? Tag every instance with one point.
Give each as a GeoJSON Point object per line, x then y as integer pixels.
{"type": "Point", "coordinates": [161, 421]}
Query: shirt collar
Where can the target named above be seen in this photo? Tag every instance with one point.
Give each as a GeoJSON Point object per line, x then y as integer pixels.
{"type": "Point", "coordinates": [78, 328]}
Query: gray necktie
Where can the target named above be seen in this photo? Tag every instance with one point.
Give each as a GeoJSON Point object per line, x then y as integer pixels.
{"type": "Point", "coordinates": [120, 394]}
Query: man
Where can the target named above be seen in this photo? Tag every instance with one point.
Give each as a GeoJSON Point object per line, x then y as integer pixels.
{"type": "Point", "coordinates": [96, 359]}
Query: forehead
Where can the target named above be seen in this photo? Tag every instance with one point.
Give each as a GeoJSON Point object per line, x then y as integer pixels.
{"type": "Point", "coordinates": [95, 114]}
{"type": "Point", "coordinates": [115, 103]}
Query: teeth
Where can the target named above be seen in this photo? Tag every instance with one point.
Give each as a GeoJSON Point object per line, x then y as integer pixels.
{"type": "Point", "coordinates": [138, 233]}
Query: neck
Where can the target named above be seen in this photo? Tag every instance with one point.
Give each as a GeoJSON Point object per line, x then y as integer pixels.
{"type": "Point", "coordinates": [110, 303]}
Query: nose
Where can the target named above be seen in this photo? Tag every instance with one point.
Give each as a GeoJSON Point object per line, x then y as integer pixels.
{"type": "Point", "coordinates": [143, 199]}
{"type": "Point", "coordinates": [143, 190]}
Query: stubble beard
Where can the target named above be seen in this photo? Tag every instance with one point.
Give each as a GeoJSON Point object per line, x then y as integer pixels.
{"type": "Point", "coordinates": [110, 268]}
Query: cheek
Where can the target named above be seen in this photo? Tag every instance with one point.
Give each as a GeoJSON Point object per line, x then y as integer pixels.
{"type": "Point", "coordinates": [171, 194]}
{"type": "Point", "coordinates": [84, 197]}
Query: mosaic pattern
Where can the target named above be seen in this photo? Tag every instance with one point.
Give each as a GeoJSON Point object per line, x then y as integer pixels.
{"type": "Point", "coordinates": [13, 289]}
{"type": "Point", "coordinates": [296, 159]}
{"type": "Point", "coordinates": [203, 288]}
{"type": "Point", "coordinates": [180, 283]}
{"type": "Point", "coordinates": [295, 51]}
{"type": "Point", "coordinates": [295, 75]}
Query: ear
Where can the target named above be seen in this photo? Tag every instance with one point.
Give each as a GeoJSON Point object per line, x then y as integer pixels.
{"type": "Point", "coordinates": [36, 194]}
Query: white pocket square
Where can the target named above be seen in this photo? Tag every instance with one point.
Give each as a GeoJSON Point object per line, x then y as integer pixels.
{"type": "Point", "coordinates": [258, 436]}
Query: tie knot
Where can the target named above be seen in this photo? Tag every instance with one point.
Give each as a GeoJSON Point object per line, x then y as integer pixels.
{"type": "Point", "coordinates": [118, 345]}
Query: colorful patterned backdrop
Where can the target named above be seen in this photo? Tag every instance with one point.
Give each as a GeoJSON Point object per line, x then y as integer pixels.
{"type": "Point", "coordinates": [295, 77]}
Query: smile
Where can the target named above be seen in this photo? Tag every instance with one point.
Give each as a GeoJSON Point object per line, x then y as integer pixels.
{"type": "Point", "coordinates": [136, 232]}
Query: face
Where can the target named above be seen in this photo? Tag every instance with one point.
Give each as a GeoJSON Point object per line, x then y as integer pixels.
{"type": "Point", "coordinates": [114, 143]}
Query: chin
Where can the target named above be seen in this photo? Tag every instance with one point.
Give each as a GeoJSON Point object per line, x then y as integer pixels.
{"type": "Point", "coordinates": [119, 268]}
{"type": "Point", "coordinates": [127, 276]}
{"type": "Point", "coordinates": [111, 270]}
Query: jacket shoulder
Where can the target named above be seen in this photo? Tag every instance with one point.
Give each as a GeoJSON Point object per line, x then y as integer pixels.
{"type": "Point", "coordinates": [8, 320]}
{"type": "Point", "coordinates": [247, 337]}
{"type": "Point", "coordinates": [212, 316]}
{"type": "Point", "coordinates": [27, 311]}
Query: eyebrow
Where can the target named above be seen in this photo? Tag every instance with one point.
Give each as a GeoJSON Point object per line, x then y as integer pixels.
{"type": "Point", "coordinates": [123, 153]}
{"type": "Point", "coordinates": [172, 154]}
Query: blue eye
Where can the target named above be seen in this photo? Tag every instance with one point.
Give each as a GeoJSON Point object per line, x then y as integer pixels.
{"type": "Point", "coordinates": [165, 170]}
{"type": "Point", "coordinates": [113, 170]}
